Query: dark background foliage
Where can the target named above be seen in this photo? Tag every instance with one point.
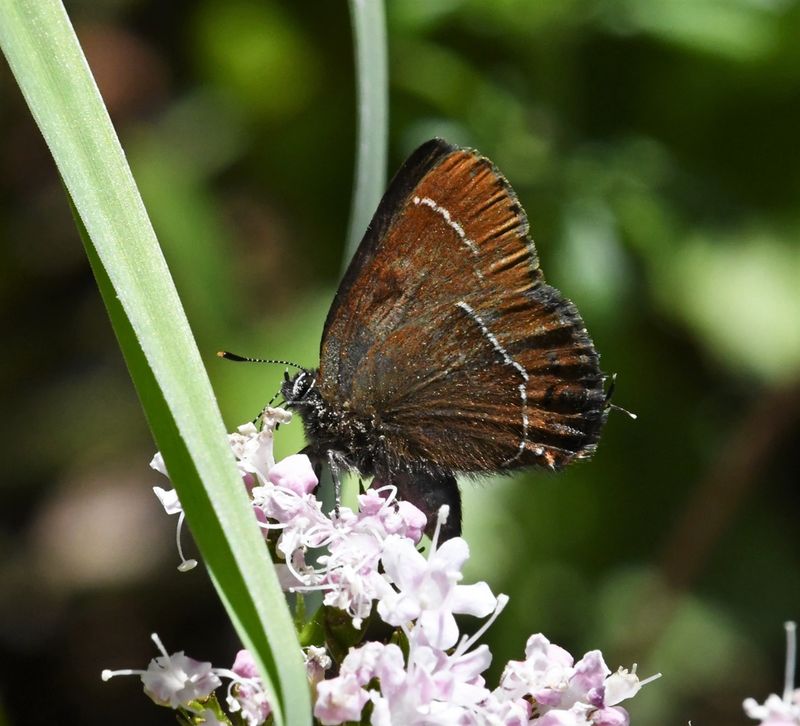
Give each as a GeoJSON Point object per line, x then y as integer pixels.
{"type": "Point", "coordinates": [655, 148]}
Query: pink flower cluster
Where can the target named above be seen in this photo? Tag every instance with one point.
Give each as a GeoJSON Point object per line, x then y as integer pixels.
{"type": "Point", "coordinates": [429, 686]}
{"type": "Point", "coordinates": [355, 543]}
{"type": "Point", "coordinates": [368, 561]}
{"type": "Point", "coordinates": [434, 686]}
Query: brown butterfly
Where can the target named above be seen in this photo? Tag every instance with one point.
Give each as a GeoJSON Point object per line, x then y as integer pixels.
{"type": "Point", "coordinates": [444, 351]}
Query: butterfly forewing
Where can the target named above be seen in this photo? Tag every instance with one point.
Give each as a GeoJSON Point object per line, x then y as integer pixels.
{"type": "Point", "coordinates": [445, 333]}
{"type": "Point", "coordinates": [447, 225]}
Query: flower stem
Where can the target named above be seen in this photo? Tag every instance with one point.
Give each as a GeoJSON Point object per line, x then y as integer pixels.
{"type": "Point", "coordinates": [368, 20]}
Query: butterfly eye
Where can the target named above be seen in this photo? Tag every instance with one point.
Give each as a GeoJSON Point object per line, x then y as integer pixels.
{"type": "Point", "coordinates": [299, 387]}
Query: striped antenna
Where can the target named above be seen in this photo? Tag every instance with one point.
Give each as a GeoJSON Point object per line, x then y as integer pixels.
{"type": "Point", "coordinates": [227, 355]}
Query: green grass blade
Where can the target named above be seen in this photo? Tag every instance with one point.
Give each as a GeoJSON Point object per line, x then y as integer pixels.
{"type": "Point", "coordinates": [46, 59]}
{"type": "Point", "coordinates": [368, 20]}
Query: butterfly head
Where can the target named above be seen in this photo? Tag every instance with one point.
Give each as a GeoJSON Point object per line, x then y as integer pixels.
{"type": "Point", "coordinates": [300, 389]}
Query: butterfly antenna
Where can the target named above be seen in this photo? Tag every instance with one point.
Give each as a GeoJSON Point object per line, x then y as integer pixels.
{"type": "Point", "coordinates": [614, 406]}
{"type": "Point", "coordinates": [227, 355]}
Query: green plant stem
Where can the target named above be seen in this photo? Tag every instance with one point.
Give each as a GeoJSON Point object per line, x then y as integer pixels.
{"type": "Point", "coordinates": [371, 55]}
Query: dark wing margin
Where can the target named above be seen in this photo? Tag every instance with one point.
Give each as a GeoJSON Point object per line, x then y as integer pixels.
{"type": "Point", "coordinates": [425, 158]}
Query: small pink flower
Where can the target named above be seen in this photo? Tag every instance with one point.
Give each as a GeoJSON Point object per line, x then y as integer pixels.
{"type": "Point", "coordinates": [250, 700]}
{"type": "Point", "coordinates": [611, 716]}
{"type": "Point", "coordinates": [340, 699]}
{"type": "Point", "coordinates": [317, 663]}
{"type": "Point", "coordinates": [413, 521]}
{"type": "Point", "coordinates": [246, 694]}
{"type": "Point", "coordinates": [253, 448]}
{"type": "Point", "coordinates": [620, 686]}
{"type": "Point", "coordinates": [564, 694]}
{"type": "Point", "coordinates": [298, 517]}
{"type": "Point", "coordinates": [433, 688]}
{"type": "Point", "coordinates": [244, 666]}
{"type": "Point", "coordinates": [577, 715]}
{"type": "Point", "coordinates": [381, 512]}
{"type": "Point", "coordinates": [507, 713]}
{"type": "Point", "coordinates": [176, 680]}
{"type": "Point", "coordinates": [173, 680]}
{"type": "Point", "coordinates": [587, 682]}
{"type": "Point", "coordinates": [428, 589]}
{"type": "Point", "coordinates": [169, 500]}
{"type": "Point", "coordinates": [544, 674]}
{"type": "Point", "coordinates": [363, 662]}
{"type": "Point", "coordinates": [294, 473]}
{"type": "Point", "coordinates": [172, 505]}
{"type": "Point", "coordinates": [157, 463]}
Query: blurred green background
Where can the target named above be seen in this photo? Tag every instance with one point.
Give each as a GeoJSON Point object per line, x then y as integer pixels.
{"type": "Point", "coordinates": [654, 144]}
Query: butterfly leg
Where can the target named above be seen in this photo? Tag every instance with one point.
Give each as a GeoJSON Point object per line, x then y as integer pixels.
{"type": "Point", "coordinates": [317, 463]}
{"type": "Point", "coordinates": [337, 480]}
{"type": "Point", "coordinates": [429, 492]}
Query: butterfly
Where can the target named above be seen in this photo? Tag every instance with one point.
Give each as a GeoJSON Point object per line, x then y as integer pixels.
{"type": "Point", "coordinates": [444, 352]}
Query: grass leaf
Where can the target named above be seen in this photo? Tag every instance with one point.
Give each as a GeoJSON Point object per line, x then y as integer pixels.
{"type": "Point", "coordinates": [154, 334]}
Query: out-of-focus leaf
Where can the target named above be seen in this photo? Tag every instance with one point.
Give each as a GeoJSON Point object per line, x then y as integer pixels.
{"type": "Point", "coordinates": [252, 51]}
{"type": "Point", "coordinates": [742, 297]}
{"type": "Point", "coordinates": [736, 29]}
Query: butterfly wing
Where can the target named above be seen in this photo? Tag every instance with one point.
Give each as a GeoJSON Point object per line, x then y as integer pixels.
{"type": "Point", "coordinates": [444, 332]}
